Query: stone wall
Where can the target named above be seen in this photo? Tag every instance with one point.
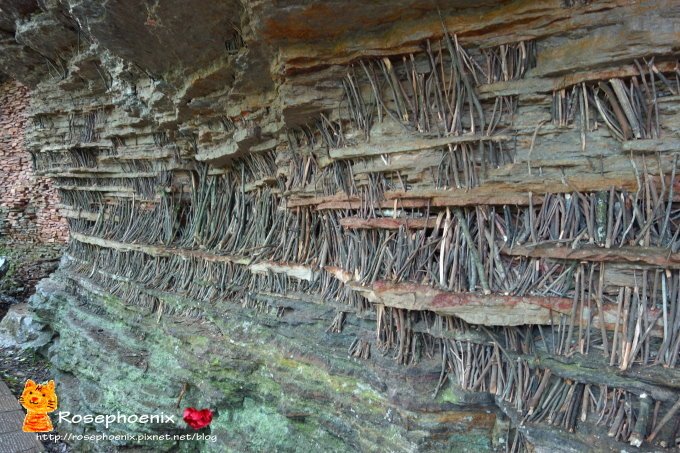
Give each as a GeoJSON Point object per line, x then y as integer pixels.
{"type": "Point", "coordinates": [28, 203]}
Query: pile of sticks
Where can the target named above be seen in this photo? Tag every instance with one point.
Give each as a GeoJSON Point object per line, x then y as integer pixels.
{"type": "Point", "coordinates": [500, 366]}
{"type": "Point", "coordinates": [628, 107]}
{"type": "Point", "coordinates": [73, 158]}
{"type": "Point", "coordinates": [508, 61]}
{"type": "Point", "coordinates": [85, 127]}
{"type": "Point", "coordinates": [459, 250]}
{"type": "Point", "coordinates": [432, 93]}
{"type": "Point", "coordinates": [145, 186]}
{"type": "Point", "coordinates": [78, 199]}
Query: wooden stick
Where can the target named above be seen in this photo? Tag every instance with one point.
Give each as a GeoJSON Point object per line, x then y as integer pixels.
{"type": "Point", "coordinates": [642, 422]}
{"type": "Point", "coordinates": [185, 386]}
{"type": "Point", "coordinates": [664, 420]}
{"type": "Point", "coordinates": [474, 253]}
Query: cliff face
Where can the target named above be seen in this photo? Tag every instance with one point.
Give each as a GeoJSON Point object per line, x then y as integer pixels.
{"type": "Point", "coordinates": [392, 225]}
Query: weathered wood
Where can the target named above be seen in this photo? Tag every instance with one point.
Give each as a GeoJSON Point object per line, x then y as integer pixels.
{"type": "Point", "coordinates": [358, 223]}
{"type": "Point", "coordinates": [419, 199]}
{"type": "Point", "coordinates": [642, 422]}
{"type": "Point", "coordinates": [293, 270]}
{"type": "Point", "coordinates": [486, 309]}
{"type": "Point", "coordinates": [498, 191]}
{"type": "Point", "coordinates": [299, 271]}
{"type": "Point", "coordinates": [666, 418]}
{"type": "Point", "coordinates": [489, 309]}
{"type": "Point", "coordinates": [627, 254]}
{"type": "Point", "coordinates": [462, 197]}
{"type": "Point", "coordinates": [88, 173]}
{"type": "Point", "coordinates": [377, 147]}
{"type": "Point", "coordinates": [116, 189]}
{"type": "Point", "coordinates": [594, 372]}
{"type": "Point", "coordinates": [66, 147]}
{"type": "Point", "coordinates": [288, 299]}
{"type": "Point", "coordinates": [134, 154]}
{"type": "Point", "coordinates": [550, 84]}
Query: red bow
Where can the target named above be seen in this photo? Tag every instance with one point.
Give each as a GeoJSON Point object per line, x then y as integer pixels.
{"type": "Point", "coordinates": [197, 419]}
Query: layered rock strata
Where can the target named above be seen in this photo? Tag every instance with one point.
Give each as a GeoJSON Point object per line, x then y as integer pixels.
{"type": "Point", "coordinates": [393, 226]}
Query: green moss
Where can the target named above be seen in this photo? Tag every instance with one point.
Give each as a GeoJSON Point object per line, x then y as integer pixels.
{"type": "Point", "coordinates": [461, 443]}
{"type": "Point", "coordinates": [448, 395]}
{"type": "Point", "coordinates": [257, 427]}
{"type": "Point", "coordinates": [264, 399]}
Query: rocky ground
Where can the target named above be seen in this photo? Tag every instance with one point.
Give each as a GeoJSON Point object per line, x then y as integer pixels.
{"type": "Point", "coordinates": [29, 263]}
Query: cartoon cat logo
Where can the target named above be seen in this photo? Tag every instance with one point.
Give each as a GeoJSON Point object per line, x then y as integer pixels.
{"type": "Point", "coordinates": [38, 400]}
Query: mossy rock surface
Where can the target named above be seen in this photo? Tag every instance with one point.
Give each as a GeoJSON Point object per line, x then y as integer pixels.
{"type": "Point", "coordinates": [268, 391]}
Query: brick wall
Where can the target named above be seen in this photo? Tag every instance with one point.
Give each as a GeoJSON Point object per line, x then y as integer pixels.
{"type": "Point", "coordinates": [28, 203]}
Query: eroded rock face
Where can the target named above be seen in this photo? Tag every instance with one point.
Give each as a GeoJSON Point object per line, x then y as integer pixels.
{"type": "Point", "coordinates": [19, 328]}
{"type": "Point", "coordinates": [387, 226]}
{"type": "Point", "coordinates": [270, 386]}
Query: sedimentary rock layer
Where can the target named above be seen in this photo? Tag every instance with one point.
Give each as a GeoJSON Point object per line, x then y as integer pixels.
{"type": "Point", "coordinates": [392, 225]}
